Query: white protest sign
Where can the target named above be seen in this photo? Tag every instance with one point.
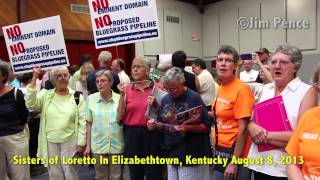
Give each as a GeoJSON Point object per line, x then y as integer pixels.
{"type": "Point", "coordinates": [38, 42]}
{"type": "Point", "coordinates": [117, 22]}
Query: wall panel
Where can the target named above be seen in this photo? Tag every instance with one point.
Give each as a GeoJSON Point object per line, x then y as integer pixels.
{"type": "Point", "coordinates": [298, 10]}
{"type": "Point", "coordinates": [249, 38]}
{"type": "Point", "coordinates": [211, 37]}
{"type": "Point", "coordinates": [8, 13]}
{"type": "Point", "coordinates": [228, 28]}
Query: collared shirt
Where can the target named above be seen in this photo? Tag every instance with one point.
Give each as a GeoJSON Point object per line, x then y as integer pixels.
{"type": "Point", "coordinates": [136, 105]}
{"type": "Point", "coordinates": [250, 76]}
{"type": "Point", "coordinates": [106, 131]}
{"type": "Point", "coordinates": [40, 102]}
{"type": "Point", "coordinates": [292, 96]}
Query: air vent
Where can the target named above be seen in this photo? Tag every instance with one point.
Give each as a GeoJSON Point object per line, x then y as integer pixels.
{"type": "Point", "coordinates": [76, 8]}
{"type": "Point", "coordinates": [173, 19]}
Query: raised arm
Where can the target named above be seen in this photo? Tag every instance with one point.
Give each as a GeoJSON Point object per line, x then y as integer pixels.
{"type": "Point", "coordinates": [34, 100]}
{"type": "Point", "coordinates": [265, 71]}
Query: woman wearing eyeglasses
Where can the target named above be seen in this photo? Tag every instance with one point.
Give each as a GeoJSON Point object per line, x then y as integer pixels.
{"type": "Point", "coordinates": [62, 130]}
{"type": "Point", "coordinates": [105, 133]}
{"type": "Point", "coordinates": [139, 141]}
{"type": "Point", "coordinates": [297, 96]}
{"type": "Point", "coordinates": [232, 109]}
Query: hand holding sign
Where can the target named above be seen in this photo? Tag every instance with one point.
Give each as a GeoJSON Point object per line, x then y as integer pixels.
{"type": "Point", "coordinates": [36, 71]}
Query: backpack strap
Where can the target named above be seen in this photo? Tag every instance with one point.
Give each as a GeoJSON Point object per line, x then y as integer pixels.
{"type": "Point", "coordinates": [77, 97]}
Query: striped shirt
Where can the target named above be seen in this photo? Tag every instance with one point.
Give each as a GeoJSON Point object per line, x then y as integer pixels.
{"type": "Point", "coordinates": [106, 131]}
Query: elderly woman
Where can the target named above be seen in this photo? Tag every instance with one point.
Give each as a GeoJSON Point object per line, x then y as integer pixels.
{"type": "Point", "coordinates": [297, 96]}
{"type": "Point", "coordinates": [103, 127]}
{"type": "Point", "coordinates": [232, 110]}
{"type": "Point", "coordinates": [139, 141]}
{"type": "Point", "coordinates": [62, 130]}
{"type": "Point", "coordinates": [13, 137]}
{"type": "Point", "coordinates": [183, 139]}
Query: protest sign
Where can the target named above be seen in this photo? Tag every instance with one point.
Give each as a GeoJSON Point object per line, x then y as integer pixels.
{"type": "Point", "coordinates": [38, 42]}
{"type": "Point", "coordinates": [117, 22]}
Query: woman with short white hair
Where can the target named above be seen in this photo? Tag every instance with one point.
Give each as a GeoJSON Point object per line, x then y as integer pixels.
{"type": "Point", "coordinates": [62, 130]}
{"type": "Point", "coordinates": [297, 96]}
{"type": "Point", "coordinates": [105, 133]}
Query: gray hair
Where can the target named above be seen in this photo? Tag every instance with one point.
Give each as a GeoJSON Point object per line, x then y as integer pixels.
{"type": "Point", "coordinates": [53, 73]}
{"type": "Point", "coordinates": [4, 70]}
{"type": "Point", "coordinates": [163, 66]}
{"type": "Point", "coordinates": [226, 49]}
{"type": "Point", "coordinates": [146, 62]}
{"type": "Point", "coordinates": [174, 74]}
{"type": "Point", "coordinates": [293, 52]}
{"type": "Point", "coordinates": [104, 56]}
{"type": "Point", "coordinates": [106, 73]}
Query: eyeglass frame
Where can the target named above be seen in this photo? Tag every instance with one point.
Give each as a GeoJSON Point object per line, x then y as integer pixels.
{"type": "Point", "coordinates": [62, 76]}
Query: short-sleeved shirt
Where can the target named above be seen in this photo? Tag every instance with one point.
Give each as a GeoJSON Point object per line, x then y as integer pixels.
{"type": "Point", "coordinates": [106, 131]}
{"type": "Point", "coordinates": [250, 76]}
{"type": "Point", "coordinates": [207, 87]}
{"type": "Point", "coordinates": [234, 101]}
{"type": "Point", "coordinates": [305, 142]}
{"type": "Point", "coordinates": [136, 105]}
{"type": "Point", "coordinates": [179, 145]}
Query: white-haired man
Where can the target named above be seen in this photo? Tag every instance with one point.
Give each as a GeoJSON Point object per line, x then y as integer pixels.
{"type": "Point", "coordinates": [104, 59]}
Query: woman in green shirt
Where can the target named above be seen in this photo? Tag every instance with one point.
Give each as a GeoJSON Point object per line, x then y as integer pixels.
{"type": "Point", "coordinates": [62, 130]}
{"type": "Point", "coordinates": [105, 134]}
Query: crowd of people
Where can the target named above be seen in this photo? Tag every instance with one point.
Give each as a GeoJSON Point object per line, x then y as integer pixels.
{"type": "Point", "coordinates": [101, 113]}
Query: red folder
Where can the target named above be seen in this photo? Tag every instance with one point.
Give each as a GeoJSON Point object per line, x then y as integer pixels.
{"type": "Point", "coordinates": [271, 115]}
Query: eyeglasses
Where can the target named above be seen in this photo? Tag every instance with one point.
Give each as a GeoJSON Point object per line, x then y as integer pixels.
{"type": "Point", "coordinates": [194, 67]}
{"type": "Point", "coordinates": [229, 60]}
{"type": "Point", "coordinates": [101, 81]}
{"type": "Point", "coordinates": [282, 62]}
{"type": "Point", "coordinates": [62, 76]}
{"type": "Point", "coordinates": [171, 90]}
{"type": "Point", "coordinates": [137, 66]}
